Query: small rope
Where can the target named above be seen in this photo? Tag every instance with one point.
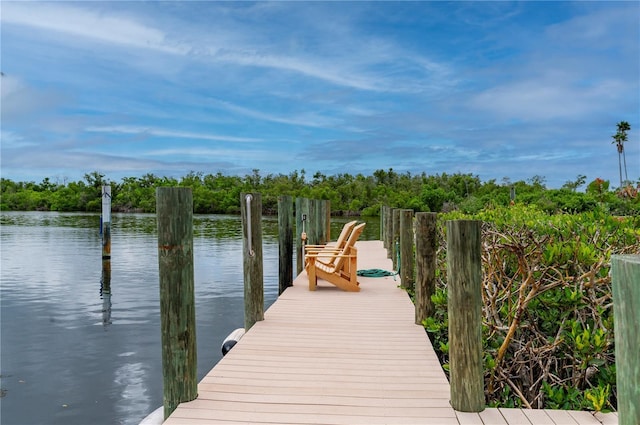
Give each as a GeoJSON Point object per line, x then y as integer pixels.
{"type": "Point", "coordinates": [375, 273]}
{"type": "Point", "coordinates": [381, 272]}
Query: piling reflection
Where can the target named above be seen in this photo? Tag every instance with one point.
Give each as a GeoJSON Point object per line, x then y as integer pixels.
{"type": "Point", "coordinates": [105, 293]}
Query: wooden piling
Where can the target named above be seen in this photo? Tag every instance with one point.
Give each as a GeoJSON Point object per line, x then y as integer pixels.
{"type": "Point", "coordinates": [395, 237]}
{"type": "Point", "coordinates": [312, 223]}
{"type": "Point", "coordinates": [625, 274]}
{"type": "Point", "coordinates": [406, 249]}
{"type": "Point", "coordinates": [388, 232]}
{"type": "Point", "coordinates": [174, 210]}
{"type": "Point", "coordinates": [302, 221]}
{"type": "Point", "coordinates": [382, 214]}
{"type": "Point", "coordinates": [426, 250]}
{"type": "Point", "coordinates": [327, 219]}
{"type": "Point", "coordinates": [285, 243]}
{"type": "Point", "coordinates": [106, 222]}
{"type": "Point", "coordinates": [321, 221]}
{"type": "Point", "coordinates": [251, 216]}
{"type": "Point", "coordinates": [464, 280]}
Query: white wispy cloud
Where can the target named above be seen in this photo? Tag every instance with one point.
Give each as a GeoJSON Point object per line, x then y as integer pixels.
{"type": "Point", "coordinates": [159, 132]}
{"type": "Point", "coordinates": [307, 120]}
{"type": "Point", "coordinates": [365, 67]}
{"type": "Point", "coordinates": [107, 27]}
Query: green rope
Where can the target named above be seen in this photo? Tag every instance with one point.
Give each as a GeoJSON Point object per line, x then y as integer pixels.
{"type": "Point", "coordinates": [380, 272]}
{"type": "Point", "coordinates": [375, 273]}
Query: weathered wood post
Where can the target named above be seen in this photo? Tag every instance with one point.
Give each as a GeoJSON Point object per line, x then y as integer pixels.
{"type": "Point", "coordinates": [251, 215]}
{"type": "Point", "coordinates": [395, 238]}
{"type": "Point", "coordinates": [302, 225]}
{"type": "Point", "coordinates": [406, 249]}
{"type": "Point", "coordinates": [382, 213]}
{"type": "Point", "coordinates": [388, 233]}
{"type": "Point", "coordinates": [625, 274]}
{"type": "Point", "coordinates": [174, 210]}
{"type": "Point", "coordinates": [285, 243]}
{"type": "Point", "coordinates": [464, 280]}
{"type": "Point", "coordinates": [106, 222]}
{"type": "Point", "coordinates": [327, 218]}
{"type": "Point", "coordinates": [312, 222]}
{"type": "Point", "coordinates": [426, 249]}
{"type": "Point", "coordinates": [321, 221]}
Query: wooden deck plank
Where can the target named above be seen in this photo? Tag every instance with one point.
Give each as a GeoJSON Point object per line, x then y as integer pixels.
{"type": "Point", "coordinates": [335, 358]}
{"type": "Point", "coordinates": [607, 418]}
{"type": "Point", "coordinates": [584, 417]}
{"type": "Point", "coordinates": [492, 416]}
{"type": "Point", "coordinates": [514, 416]}
{"type": "Point", "coordinates": [467, 418]}
{"type": "Point", "coordinates": [561, 417]}
{"type": "Point", "coordinates": [538, 416]}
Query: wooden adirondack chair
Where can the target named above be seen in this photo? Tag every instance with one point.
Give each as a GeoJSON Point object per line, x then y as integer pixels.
{"type": "Point", "coordinates": [332, 248]}
{"type": "Point", "coordinates": [343, 272]}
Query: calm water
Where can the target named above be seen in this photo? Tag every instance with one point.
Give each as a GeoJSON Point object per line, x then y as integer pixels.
{"type": "Point", "coordinates": [71, 354]}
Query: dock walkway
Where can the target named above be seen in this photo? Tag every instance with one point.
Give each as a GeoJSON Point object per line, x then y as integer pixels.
{"type": "Point", "coordinates": [334, 357]}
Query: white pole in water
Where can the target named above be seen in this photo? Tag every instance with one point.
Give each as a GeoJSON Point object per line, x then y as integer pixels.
{"type": "Point", "coordinates": [106, 222]}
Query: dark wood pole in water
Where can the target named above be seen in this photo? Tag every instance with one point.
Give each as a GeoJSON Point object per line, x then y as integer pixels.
{"type": "Point", "coordinates": [174, 210]}
{"type": "Point", "coordinates": [406, 249]}
{"type": "Point", "coordinates": [251, 214]}
{"type": "Point", "coordinates": [464, 280]}
{"type": "Point", "coordinates": [106, 222]}
{"type": "Point", "coordinates": [426, 249]}
{"type": "Point", "coordinates": [285, 243]}
{"type": "Point", "coordinates": [625, 274]}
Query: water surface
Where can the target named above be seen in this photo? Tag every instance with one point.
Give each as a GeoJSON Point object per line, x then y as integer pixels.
{"type": "Point", "coordinates": [76, 351]}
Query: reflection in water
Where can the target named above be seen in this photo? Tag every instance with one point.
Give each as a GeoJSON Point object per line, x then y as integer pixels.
{"type": "Point", "coordinates": [53, 352]}
{"type": "Point", "coordinates": [105, 293]}
{"type": "Point", "coordinates": [134, 397]}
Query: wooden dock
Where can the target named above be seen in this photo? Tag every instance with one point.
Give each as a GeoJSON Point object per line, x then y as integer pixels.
{"type": "Point", "coordinates": [335, 357]}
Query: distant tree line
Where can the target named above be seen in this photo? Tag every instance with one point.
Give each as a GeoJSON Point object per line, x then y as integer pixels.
{"type": "Point", "coordinates": [349, 194]}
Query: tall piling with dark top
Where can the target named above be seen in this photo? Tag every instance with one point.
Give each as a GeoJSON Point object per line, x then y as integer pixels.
{"type": "Point", "coordinates": [285, 243]}
{"type": "Point", "coordinates": [426, 250]}
{"type": "Point", "coordinates": [406, 249]}
{"type": "Point", "coordinates": [106, 222]}
{"type": "Point", "coordinates": [174, 210]}
{"type": "Point", "coordinates": [625, 274]}
{"type": "Point", "coordinates": [395, 238]}
{"type": "Point", "coordinates": [464, 283]}
{"type": "Point", "coordinates": [251, 216]}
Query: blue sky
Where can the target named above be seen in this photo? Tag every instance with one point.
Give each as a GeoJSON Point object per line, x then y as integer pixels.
{"type": "Point", "coordinates": [495, 89]}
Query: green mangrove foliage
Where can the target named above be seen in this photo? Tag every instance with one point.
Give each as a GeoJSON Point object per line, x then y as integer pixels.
{"type": "Point", "coordinates": [548, 315]}
{"type": "Point", "coordinates": [349, 194]}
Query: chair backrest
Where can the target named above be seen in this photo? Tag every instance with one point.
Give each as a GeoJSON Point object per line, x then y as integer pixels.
{"type": "Point", "coordinates": [342, 238]}
{"type": "Point", "coordinates": [351, 241]}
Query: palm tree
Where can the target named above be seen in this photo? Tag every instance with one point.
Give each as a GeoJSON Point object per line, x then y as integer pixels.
{"type": "Point", "coordinates": [619, 138]}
